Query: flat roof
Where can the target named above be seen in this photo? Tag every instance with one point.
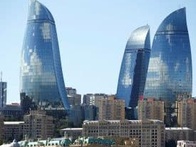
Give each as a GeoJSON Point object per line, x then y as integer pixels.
{"type": "Point", "coordinates": [13, 122]}
{"type": "Point", "coordinates": [118, 121]}
{"type": "Point", "coordinates": [74, 129]}
{"type": "Point", "coordinates": [177, 128]}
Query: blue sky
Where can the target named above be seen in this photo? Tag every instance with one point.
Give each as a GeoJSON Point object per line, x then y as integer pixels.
{"type": "Point", "coordinates": [92, 37]}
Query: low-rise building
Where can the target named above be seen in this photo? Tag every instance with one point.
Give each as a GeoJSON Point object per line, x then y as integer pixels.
{"type": "Point", "coordinates": [186, 143]}
{"type": "Point", "coordinates": [179, 133]}
{"type": "Point", "coordinates": [11, 111]}
{"type": "Point", "coordinates": [13, 130]}
{"type": "Point", "coordinates": [73, 133]}
{"type": "Point", "coordinates": [148, 132]}
{"type": "Point", "coordinates": [105, 141]}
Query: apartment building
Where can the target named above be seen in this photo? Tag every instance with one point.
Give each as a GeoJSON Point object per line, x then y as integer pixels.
{"type": "Point", "coordinates": [186, 113]}
{"type": "Point", "coordinates": [151, 109]}
{"type": "Point", "coordinates": [38, 125]}
{"type": "Point", "coordinates": [111, 108]}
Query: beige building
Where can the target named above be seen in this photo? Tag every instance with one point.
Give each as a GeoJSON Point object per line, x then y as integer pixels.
{"type": "Point", "coordinates": [186, 113]}
{"type": "Point", "coordinates": [150, 133]}
{"type": "Point", "coordinates": [151, 109]}
{"type": "Point", "coordinates": [13, 130]}
{"type": "Point", "coordinates": [111, 108]}
{"type": "Point", "coordinates": [38, 125]}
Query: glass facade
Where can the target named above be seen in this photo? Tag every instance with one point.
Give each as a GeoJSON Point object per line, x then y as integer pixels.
{"type": "Point", "coordinates": [3, 94]}
{"type": "Point", "coordinates": [170, 68]}
{"type": "Point", "coordinates": [134, 67]}
{"type": "Point", "coordinates": [41, 74]}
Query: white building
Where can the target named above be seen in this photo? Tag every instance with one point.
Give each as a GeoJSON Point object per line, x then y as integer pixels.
{"type": "Point", "coordinates": [186, 143]}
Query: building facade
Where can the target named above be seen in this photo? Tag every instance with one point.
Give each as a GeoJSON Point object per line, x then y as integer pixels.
{"type": "Point", "coordinates": [186, 113]}
{"type": "Point", "coordinates": [93, 99]}
{"type": "Point", "coordinates": [76, 115]}
{"type": "Point", "coordinates": [90, 112]}
{"type": "Point", "coordinates": [41, 73]}
{"type": "Point", "coordinates": [1, 128]}
{"type": "Point", "coordinates": [151, 109]}
{"type": "Point", "coordinates": [73, 133]}
{"type": "Point", "coordinates": [134, 67]}
{"type": "Point", "coordinates": [186, 143]}
{"type": "Point", "coordinates": [73, 97]}
{"type": "Point", "coordinates": [3, 94]}
{"type": "Point", "coordinates": [111, 109]}
{"type": "Point", "coordinates": [38, 125]}
{"type": "Point", "coordinates": [12, 112]}
{"type": "Point", "coordinates": [179, 133]}
{"type": "Point", "coordinates": [170, 68]}
{"type": "Point", "coordinates": [150, 133]}
{"type": "Point", "coordinates": [13, 130]}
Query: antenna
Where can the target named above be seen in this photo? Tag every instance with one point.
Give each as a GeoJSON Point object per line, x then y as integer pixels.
{"type": "Point", "coordinates": [1, 76]}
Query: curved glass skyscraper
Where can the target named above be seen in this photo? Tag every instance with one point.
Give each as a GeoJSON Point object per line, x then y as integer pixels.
{"type": "Point", "coordinates": [170, 68]}
{"type": "Point", "coordinates": [134, 67]}
{"type": "Point", "coordinates": [41, 73]}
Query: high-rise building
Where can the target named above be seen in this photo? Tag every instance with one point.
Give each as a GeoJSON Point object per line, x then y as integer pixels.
{"type": "Point", "coordinates": [186, 113]}
{"type": "Point", "coordinates": [111, 108]}
{"type": "Point", "coordinates": [151, 109]}
{"type": "Point", "coordinates": [41, 74]}
{"type": "Point", "coordinates": [92, 99]}
{"type": "Point", "coordinates": [73, 97]}
{"type": "Point", "coordinates": [170, 68]}
{"type": "Point", "coordinates": [134, 67]}
{"type": "Point", "coordinates": [3, 94]}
